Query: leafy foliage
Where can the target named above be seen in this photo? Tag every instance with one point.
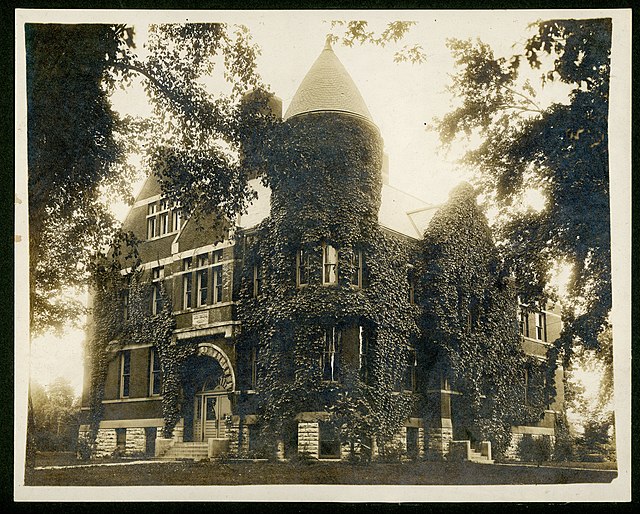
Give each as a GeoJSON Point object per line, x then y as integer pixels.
{"type": "Point", "coordinates": [56, 411]}
{"type": "Point", "coordinates": [357, 31]}
{"type": "Point", "coordinates": [324, 173]}
{"type": "Point", "coordinates": [471, 336]}
{"type": "Point", "coordinates": [70, 152]}
{"type": "Point", "coordinates": [559, 150]}
{"type": "Point", "coordinates": [77, 144]}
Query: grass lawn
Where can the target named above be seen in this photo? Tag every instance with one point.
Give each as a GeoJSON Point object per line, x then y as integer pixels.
{"type": "Point", "coordinates": [247, 473]}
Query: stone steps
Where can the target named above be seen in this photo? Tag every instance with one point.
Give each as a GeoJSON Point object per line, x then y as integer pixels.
{"type": "Point", "coordinates": [476, 456]}
{"type": "Point", "coordinates": [192, 451]}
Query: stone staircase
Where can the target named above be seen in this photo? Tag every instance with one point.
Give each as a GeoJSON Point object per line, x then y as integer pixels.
{"type": "Point", "coordinates": [187, 451]}
{"type": "Point", "coordinates": [463, 451]}
{"type": "Point", "coordinates": [476, 456]}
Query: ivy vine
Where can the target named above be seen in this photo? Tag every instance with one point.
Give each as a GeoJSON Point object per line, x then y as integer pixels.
{"type": "Point", "coordinates": [470, 328]}
{"type": "Point", "coordinates": [326, 188]}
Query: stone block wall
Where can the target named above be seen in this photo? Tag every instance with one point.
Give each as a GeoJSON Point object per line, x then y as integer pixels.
{"type": "Point", "coordinates": [105, 442]}
{"type": "Point", "coordinates": [308, 436]}
{"type": "Point", "coordinates": [421, 445]}
{"type": "Point", "coordinates": [439, 440]}
{"type": "Point", "coordinates": [135, 441]}
{"type": "Point", "coordinates": [237, 447]}
{"type": "Point", "coordinates": [513, 452]}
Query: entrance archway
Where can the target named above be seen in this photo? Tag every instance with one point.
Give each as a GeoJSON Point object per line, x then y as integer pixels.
{"type": "Point", "coordinates": [207, 380]}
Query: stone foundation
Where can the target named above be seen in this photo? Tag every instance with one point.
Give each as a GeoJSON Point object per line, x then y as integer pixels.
{"type": "Point", "coordinates": [135, 442]}
{"type": "Point", "coordinates": [105, 442]}
{"type": "Point", "coordinates": [439, 440]}
{"type": "Point", "coordinates": [513, 452]}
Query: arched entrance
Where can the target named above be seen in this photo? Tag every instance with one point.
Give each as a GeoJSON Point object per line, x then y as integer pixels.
{"type": "Point", "coordinates": [207, 380]}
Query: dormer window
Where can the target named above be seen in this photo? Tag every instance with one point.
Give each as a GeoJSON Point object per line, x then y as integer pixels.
{"type": "Point", "coordinates": [329, 265]}
{"type": "Point", "coordinates": [162, 218]}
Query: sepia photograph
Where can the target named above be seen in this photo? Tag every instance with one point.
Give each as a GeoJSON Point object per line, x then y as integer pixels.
{"type": "Point", "coordinates": [325, 255]}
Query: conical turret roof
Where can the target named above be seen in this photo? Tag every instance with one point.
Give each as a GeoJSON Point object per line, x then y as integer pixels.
{"type": "Point", "coordinates": [328, 87]}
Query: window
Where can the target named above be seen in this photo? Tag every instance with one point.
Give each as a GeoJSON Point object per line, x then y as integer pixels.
{"type": "Point", "coordinates": [155, 373]}
{"type": "Point", "coordinates": [330, 355]}
{"type": "Point", "coordinates": [254, 367]}
{"type": "Point", "coordinates": [217, 284]}
{"type": "Point", "coordinates": [186, 291]}
{"type": "Point", "coordinates": [524, 323]}
{"type": "Point", "coordinates": [257, 280]}
{"type": "Point", "coordinates": [329, 264]}
{"type": "Point", "coordinates": [202, 282]}
{"type": "Point", "coordinates": [411, 279]}
{"type": "Point", "coordinates": [125, 373]}
{"type": "Point", "coordinates": [125, 304]}
{"type": "Point", "coordinates": [541, 326]}
{"type": "Point", "coordinates": [186, 283]}
{"type": "Point", "coordinates": [151, 227]}
{"type": "Point", "coordinates": [363, 343]}
{"type": "Point", "coordinates": [329, 440]}
{"type": "Point", "coordinates": [410, 371]}
{"type": "Point", "coordinates": [356, 278]}
{"type": "Point", "coordinates": [526, 386]}
{"type": "Point", "coordinates": [162, 219]}
{"type": "Point", "coordinates": [254, 437]}
{"type": "Point", "coordinates": [157, 274]}
{"type": "Point", "coordinates": [413, 447]}
{"type": "Point", "coordinates": [473, 314]}
{"type": "Point", "coordinates": [175, 221]}
{"type": "Point", "coordinates": [302, 267]}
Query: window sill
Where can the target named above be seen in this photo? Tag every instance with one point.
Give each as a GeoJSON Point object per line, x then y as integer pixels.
{"type": "Point", "coordinates": [133, 400]}
{"type": "Point", "coordinates": [156, 238]}
{"type": "Point", "coordinates": [204, 307]}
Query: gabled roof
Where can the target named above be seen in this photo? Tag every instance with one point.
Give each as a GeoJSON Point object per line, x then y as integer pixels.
{"type": "Point", "coordinates": [399, 211]}
{"type": "Point", "coordinates": [327, 87]}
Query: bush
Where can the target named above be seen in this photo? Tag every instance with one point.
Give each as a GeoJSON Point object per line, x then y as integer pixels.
{"type": "Point", "coordinates": [392, 451]}
{"type": "Point", "coordinates": [534, 449]}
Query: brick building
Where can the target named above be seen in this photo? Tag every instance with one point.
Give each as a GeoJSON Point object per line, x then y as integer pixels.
{"type": "Point", "coordinates": [202, 273]}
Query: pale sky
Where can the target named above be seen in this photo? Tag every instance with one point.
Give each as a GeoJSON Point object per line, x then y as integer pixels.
{"type": "Point", "coordinates": [402, 98]}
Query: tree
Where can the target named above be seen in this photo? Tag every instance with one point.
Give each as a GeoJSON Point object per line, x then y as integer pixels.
{"type": "Point", "coordinates": [358, 31]}
{"type": "Point", "coordinates": [559, 150]}
{"type": "Point", "coordinates": [55, 411]}
{"type": "Point", "coordinates": [71, 148]}
{"type": "Point", "coordinates": [77, 143]}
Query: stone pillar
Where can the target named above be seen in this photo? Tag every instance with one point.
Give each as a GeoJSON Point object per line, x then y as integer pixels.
{"type": "Point", "coordinates": [178, 431]}
{"type": "Point", "coordinates": [421, 449]}
{"type": "Point", "coordinates": [308, 437]}
{"type": "Point", "coordinates": [105, 442]}
{"type": "Point", "coordinates": [440, 428]}
{"type": "Point", "coordinates": [135, 442]}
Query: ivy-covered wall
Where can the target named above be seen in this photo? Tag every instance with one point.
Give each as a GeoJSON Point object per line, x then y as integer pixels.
{"type": "Point", "coordinates": [326, 181]}
{"type": "Point", "coordinates": [444, 302]}
{"type": "Point", "coordinates": [470, 328]}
